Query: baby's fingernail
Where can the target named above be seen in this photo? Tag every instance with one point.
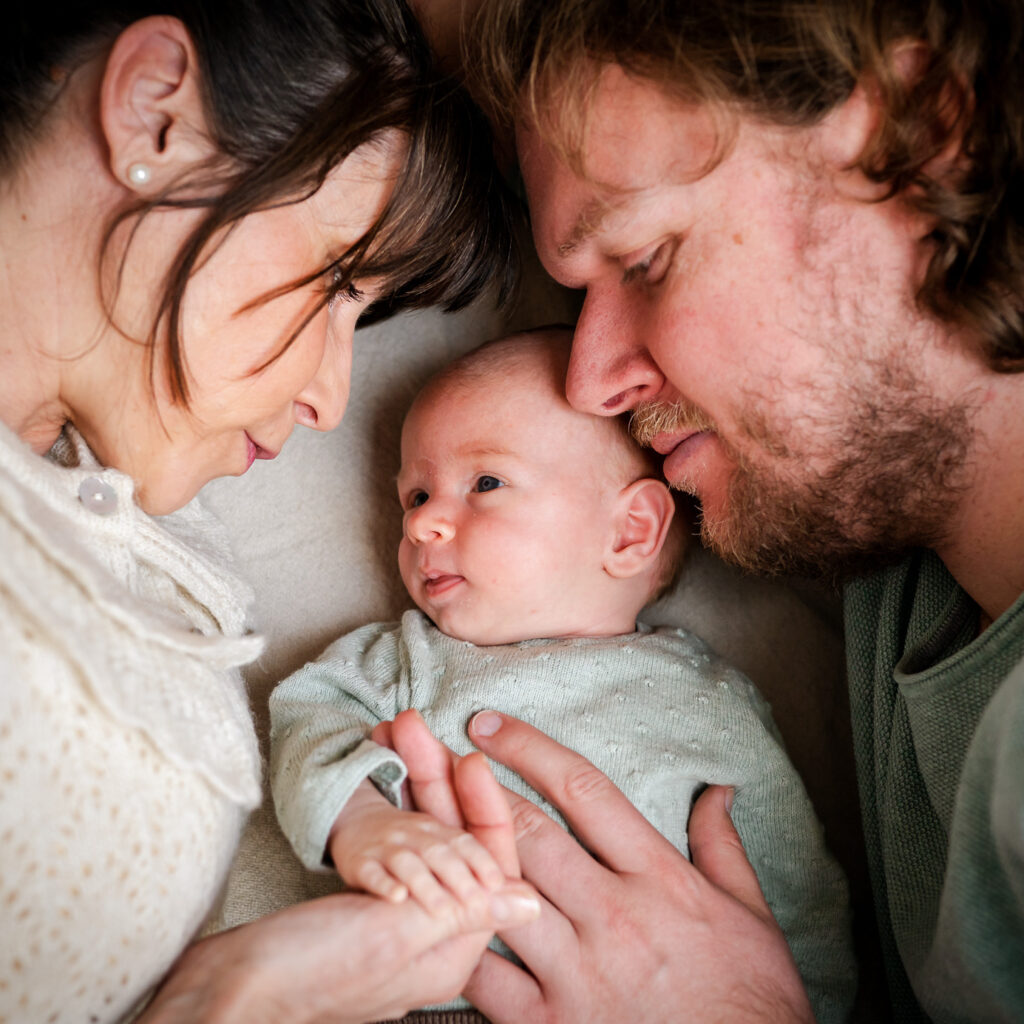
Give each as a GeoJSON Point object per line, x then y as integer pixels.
{"type": "Point", "coordinates": [729, 793]}
{"type": "Point", "coordinates": [514, 908]}
{"type": "Point", "coordinates": [485, 723]}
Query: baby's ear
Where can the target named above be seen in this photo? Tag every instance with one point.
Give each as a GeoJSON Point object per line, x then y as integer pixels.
{"type": "Point", "coordinates": [643, 513]}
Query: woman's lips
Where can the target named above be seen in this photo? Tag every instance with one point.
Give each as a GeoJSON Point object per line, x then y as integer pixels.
{"type": "Point", "coordinates": [255, 451]}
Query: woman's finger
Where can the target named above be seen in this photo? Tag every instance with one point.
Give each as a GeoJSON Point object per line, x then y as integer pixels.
{"type": "Point", "coordinates": [431, 767]}
{"type": "Point", "coordinates": [381, 735]}
{"type": "Point", "coordinates": [486, 811]}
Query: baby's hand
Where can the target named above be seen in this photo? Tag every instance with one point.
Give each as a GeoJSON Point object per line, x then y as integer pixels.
{"type": "Point", "coordinates": [393, 854]}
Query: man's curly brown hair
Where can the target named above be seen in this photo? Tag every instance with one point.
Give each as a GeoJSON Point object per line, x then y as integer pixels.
{"type": "Point", "coordinates": [792, 61]}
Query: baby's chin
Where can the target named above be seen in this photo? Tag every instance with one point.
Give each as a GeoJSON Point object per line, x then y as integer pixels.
{"type": "Point", "coordinates": [504, 633]}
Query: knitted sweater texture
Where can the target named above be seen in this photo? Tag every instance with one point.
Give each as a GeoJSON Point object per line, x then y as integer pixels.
{"type": "Point", "coordinates": [657, 711]}
{"type": "Point", "coordinates": [938, 714]}
{"type": "Point", "coordinates": [127, 757]}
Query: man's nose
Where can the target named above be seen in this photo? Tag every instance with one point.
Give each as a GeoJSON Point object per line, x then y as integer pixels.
{"type": "Point", "coordinates": [431, 521]}
{"type": "Point", "coordinates": [610, 369]}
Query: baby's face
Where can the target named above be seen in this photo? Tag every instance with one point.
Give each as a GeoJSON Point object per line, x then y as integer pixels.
{"type": "Point", "coordinates": [508, 496]}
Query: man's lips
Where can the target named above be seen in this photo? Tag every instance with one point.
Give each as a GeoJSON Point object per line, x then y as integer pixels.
{"type": "Point", "coordinates": [666, 443]}
{"type": "Point", "coordinates": [678, 450]}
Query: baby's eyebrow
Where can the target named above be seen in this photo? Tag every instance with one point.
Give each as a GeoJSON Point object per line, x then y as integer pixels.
{"type": "Point", "coordinates": [478, 450]}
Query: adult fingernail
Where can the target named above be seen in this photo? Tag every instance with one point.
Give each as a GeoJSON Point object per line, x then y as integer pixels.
{"type": "Point", "coordinates": [513, 908]}
{"type": "Point", "coordinates": [485, 723]}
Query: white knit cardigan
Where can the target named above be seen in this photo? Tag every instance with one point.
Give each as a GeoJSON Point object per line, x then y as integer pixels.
{"type": "Point", "coordinates": [128, 760]}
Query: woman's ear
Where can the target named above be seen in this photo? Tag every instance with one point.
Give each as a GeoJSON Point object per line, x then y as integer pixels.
{"type": "Point", "coordinates": [151, 109]}
{"type": "Point", "coordinates": [643, 512]}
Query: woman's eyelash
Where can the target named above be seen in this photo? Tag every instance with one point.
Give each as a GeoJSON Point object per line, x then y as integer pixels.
{"type": "Point", "coordinates": [342, 291]}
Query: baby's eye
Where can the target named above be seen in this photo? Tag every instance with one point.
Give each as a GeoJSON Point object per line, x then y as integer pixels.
{"type": "Point", "coordinates": [417, 498]}
{"type": "Point", "coordinates": [487, 483]}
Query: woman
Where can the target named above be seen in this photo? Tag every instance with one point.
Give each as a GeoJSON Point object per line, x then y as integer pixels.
{"type": "Point", "coordinates": [197, 206]}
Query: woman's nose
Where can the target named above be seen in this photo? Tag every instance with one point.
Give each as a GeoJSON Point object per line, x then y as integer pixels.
{"type": "Point", "coordinates": [321, 403]}
{"type": "Point", "coordinates": [428, 522]}
{"type": "Point", "coordinates": [610, 369]}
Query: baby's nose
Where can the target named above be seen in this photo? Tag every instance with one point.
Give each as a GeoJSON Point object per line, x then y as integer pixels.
{"type": "Point", "coordinates": [429, 522]}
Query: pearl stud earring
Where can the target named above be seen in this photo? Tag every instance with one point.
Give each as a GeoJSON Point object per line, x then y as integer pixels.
{"type": "Point", "coordinates": [139, 174]}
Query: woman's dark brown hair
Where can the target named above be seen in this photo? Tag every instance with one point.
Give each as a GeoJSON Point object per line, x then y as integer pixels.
{"type": "Point", "coordinates": [291, 88]}
{"type": "Point", "coordinates": [791, 62]}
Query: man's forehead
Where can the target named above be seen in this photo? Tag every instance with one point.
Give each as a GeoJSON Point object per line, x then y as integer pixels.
{"type": "Point", "coordinates": [630, 131]}
{"type": "Point", "coordinates": [636, 138]}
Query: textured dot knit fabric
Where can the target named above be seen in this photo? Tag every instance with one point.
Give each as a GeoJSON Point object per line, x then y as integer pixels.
{"type": "Point", "coordinates": [938, 717]}
{"type": "Point", "coordinates": [127, 756]}
{"type": "Point", "coordinates": [657, 711]}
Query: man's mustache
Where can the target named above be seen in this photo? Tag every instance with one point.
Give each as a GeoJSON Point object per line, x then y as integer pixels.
{"type": "Point", "coordinates": [649, 419]}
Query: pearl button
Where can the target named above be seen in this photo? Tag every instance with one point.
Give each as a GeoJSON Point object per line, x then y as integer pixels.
{"type": "Point", "coordinates": [97, 496]}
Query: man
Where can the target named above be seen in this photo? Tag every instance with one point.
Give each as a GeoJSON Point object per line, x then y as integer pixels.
{"type": "Point", "coordinates": [801, 235]}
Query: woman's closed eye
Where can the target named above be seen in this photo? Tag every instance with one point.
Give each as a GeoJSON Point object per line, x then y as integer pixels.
{"type": "Point", "coordinates": [487, 483]}
{"type": "Point", "coordinates": [340, 290]}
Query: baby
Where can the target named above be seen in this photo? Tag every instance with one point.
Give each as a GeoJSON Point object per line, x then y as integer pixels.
{"type": "Point", "coordinates": [533, 536]}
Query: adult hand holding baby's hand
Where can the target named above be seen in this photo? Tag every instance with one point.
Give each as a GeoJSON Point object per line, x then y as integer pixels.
{"type": "Point", "coordinates": [394, 854]}
{"type": "Point", "coordinates": [348, 958]}
{"type": "Point", "coordinates": [630, 930]}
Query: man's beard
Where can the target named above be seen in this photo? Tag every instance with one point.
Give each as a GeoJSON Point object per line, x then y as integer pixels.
{"type": "Point", "coordinates": [895, 469]}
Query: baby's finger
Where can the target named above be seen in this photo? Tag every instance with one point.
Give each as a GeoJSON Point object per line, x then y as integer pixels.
{"type": "Point", "coordinates": [410, 869]}
{"type": "Point", "coordinates": [480, 862]}
{"type": "Point", "coordinates": [371, 876]}
{"type": "Point", "coordinates": [454, 873]}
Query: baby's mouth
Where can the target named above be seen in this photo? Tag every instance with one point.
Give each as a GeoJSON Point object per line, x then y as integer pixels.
{"type": "Point", "coordinates": [438, 583]}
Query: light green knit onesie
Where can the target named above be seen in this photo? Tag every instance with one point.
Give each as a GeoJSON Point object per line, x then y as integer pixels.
{"type": "Point", "coordinates": [655, 710]}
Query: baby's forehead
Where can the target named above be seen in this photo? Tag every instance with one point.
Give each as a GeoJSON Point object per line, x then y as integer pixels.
{"type": "Point", "coordinates": [480, 386]}
{"type": "Point", "coordinates": [518, 414]}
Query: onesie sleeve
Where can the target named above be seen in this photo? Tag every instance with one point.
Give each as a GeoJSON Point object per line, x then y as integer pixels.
{"type": "Point", "coordinates": [321, 719]}
{"type": "Point", "coordinates": [801, 881]}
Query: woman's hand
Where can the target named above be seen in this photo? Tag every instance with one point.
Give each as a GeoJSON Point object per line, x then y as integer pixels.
{"type": "Point", "coordinates": [631, 930]}
{"type": "Point", "coordinates": [348, 958]}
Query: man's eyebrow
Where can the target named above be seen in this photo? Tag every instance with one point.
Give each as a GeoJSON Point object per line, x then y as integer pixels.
{"type": "Point", "coordinates": [587, 224]}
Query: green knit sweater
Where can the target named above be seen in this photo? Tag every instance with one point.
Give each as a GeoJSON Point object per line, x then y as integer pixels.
{"type": "Point", "coordinates": [938, 717]}
{"type": "Point", "coordinates": [657, 711]}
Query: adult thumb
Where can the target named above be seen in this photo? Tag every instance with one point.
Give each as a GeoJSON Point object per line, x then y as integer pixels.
{"type": "Point", "coordinates": [717, 850]}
